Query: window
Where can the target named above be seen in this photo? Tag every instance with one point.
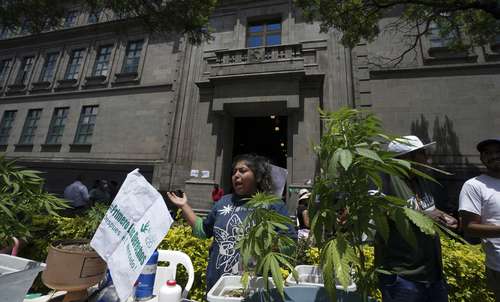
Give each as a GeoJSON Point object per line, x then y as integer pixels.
{"type": "Point", "coordinates": [49, 67]}
{"type": "Point", "coordinates": [132, 56]}
{"type": "Point", "coordinates": [5, 125]}
{"type": "Point", "coordinates": [101, 67]}
{"type": "Point", "coordinates": [75, 61]}
{"type": "Point", "coordinates": [57, 124]}
{"type": "Point", "coordinates": [4, 70]}
{"type": "Point", "coordinates": [94, 17]}
{"type": "Point", "coordinates": [70, 19]}
{"type": "Point", "coordinates": [264, 33]}
{"type": "Point", "coordinates": [86, 125]}
{"type": "Point", "coordinates": [30, 126]}
{"type": "Point", "coordinates": [437, 38]}
{"type": "Point", "coordinates": [24, 71]}
{"type": "Point", "coordinates": [4, 33]}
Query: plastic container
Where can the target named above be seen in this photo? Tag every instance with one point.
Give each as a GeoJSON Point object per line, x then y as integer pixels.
{"type": "Point", "coordinates": [16, 277]}
{"type": "Point", "coordinates": [170, 292]}
{"type": "Point", "coordinates": [146, 280]}
{"type": "Point", "coordinates": [219, 292]}
{"type": "Point", "coordinates": [311, 275]}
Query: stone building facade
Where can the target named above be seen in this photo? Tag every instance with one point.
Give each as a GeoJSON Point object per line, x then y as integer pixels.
{"type": "Point", "coordinates": [181, 112]}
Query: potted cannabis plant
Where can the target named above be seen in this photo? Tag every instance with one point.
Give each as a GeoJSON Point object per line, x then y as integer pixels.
{"type": "Point", "coordinates": [346, 207]}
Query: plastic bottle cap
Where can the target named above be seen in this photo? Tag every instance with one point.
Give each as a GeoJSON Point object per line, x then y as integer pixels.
{"type": "Point", "coordinates": [171, 283]}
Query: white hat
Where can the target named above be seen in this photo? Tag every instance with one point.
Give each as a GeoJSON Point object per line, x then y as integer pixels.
{"type": "Point", "coordinates": [304, 194]}
{"type": "Point", "coordinates": [406, 144]}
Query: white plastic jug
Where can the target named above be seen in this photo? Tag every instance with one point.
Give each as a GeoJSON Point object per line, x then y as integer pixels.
{"type": "Point", "coordinates": [170, 292]}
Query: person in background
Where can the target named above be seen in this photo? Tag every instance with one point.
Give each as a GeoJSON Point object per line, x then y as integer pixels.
{"type": "Point", "coordinates": [302, 214]}
{"type": "Point", "coordinates": [250, 174]}
{"type": "Point", "coordinates": [412, 273]}
{"type": "Point", "coordinates": [101, 193]}
{"type": "Point", "coordinates": [77, 195]}
{"type": "Point", "coordinates": [479, 206]}
{"type": "Point", "coordinates": [217, 193]}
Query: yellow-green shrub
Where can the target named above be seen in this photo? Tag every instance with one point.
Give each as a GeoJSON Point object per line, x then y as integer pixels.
{"type": "Point", "coordinates": [180, 238]}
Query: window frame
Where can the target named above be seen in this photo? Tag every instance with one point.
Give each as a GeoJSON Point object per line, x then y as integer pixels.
{"type": "Point", "coordinates": [109, 62]}
{"type": "Point", "coordinates": [73, 13]}
{"type": "Point", "coordinates": [92, 122]}
{"type": "Point", "coordinates": [57, 125]}
{"type": "Point", "coordinates": [78, 71]}
{"type": "Point", "coordinates": [4, 77]}
{"type": "Point", "coordinates": [25, 79]}
{"type": "Point", "coordinates": [123, 68]}
{"type": "Point", "coordinates": [5, 134]}
{"type": "Point", "coordinates": [29, 131]}
{"type": "Point", "coordinates": [265, 32]}
{"type": "Point", "coordinates": [43, 68]}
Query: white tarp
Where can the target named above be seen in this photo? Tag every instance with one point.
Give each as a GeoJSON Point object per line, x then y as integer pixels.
{"type": "Point", "coordinates": [135, 224]}
{"type": "Point", "coordinates": [279, 176]}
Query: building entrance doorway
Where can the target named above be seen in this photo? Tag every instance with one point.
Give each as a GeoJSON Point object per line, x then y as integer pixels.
{"type": "Point", "coordinates": [266, 136]}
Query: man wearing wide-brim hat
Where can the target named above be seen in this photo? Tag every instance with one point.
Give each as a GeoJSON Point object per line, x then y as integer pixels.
{"type": "Point", "coordinates": [479, 207]}
{"type": "Point", "coordinates": [412, 273]}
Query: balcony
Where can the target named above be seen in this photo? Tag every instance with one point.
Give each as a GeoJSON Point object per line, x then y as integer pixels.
{"type": "Point", "coordinates": [288, 58]}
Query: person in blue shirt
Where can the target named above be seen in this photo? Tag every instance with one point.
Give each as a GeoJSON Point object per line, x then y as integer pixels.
{"type": "Point", "coordinates": [250, 174]}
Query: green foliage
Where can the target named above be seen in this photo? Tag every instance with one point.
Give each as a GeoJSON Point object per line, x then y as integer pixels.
{"type": "Point", "coordinates": [182, 16]}
{"type": "Point", "coordinates": [264, 241]}
{"type": "Point", "coordinates": [180, 238]}
{"type": "Point", "coordinates": [359, 20]}
{"type": "Point", "coordinates": [21, 198]}
{"type": "Point", "coordinates": [351, 160]}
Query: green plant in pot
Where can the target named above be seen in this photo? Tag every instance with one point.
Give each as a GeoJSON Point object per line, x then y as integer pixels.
{"type": "Point", "coordinates": [343, 207]}
{"type": "Point", "coordinates": [72, 264]}
{"type": "Point", "coordinates": [21, 199]}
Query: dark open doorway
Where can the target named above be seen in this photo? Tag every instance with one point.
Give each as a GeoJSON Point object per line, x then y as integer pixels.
{"type": "Point", "coordinates": [266, 136]}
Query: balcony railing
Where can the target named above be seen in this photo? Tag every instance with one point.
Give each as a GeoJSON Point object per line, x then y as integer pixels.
{"type": "Point", "coordinates": [259, 54]}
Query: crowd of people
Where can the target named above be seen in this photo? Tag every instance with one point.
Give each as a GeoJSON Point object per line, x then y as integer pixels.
{"type": "Point", "coordinates": [80, 198]}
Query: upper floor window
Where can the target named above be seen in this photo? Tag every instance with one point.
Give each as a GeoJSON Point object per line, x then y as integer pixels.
{"type": "Point", "coordinates": [86, 125]}
{"type": "Point", "coordinates": [5, 125]}
{"type": "Point", "coordinates": [75, 61]}
{"type": "Point", "coordinates": [49, 67]}
{"type": "Point", "coordinates": [132, 56]}
{"type": "Point", "coordinates": [70, 19]}
{"type": "Point", "coordinates": [30, 126]}
{"type": "Point", "coordinates": [438, 38]}
{"type": "Point", "coordinates": [57, 125]}
{"type": "Point", "coordinates": [101, 67]}
{"type": "Point", "coordinates": [4, 70]}
{"type": "Point", "coordinates": [24, 70]}
{"type": "Point", "coordinates": [264, 33]}
{"type": "Point", "coordinates": [94, 17]}
{"type": "Point", "coordinates": [5, 33]}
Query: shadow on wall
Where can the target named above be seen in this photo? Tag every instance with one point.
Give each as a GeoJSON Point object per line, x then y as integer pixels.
{"type": "Point", "coordinates": [447, 156]}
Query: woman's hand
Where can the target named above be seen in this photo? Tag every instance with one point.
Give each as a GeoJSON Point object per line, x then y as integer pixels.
{"type": "Point", "coordinates": [178, 201]}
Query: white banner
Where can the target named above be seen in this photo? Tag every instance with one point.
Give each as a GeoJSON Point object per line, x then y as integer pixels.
{"type": "Point", "coordinates": [135, 224]}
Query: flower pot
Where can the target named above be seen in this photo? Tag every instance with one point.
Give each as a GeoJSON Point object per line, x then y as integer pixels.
{"type": "Point", "coordinates": [16, 277]}
{"type": "Point", "coordinates": [73, 266]}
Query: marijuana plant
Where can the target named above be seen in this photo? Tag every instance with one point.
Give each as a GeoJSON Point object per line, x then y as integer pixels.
{"type": "Point", "coordinates": [347, 204]}
{"type": "Point", "coordinates": [21, 198]}
{"type": "Point", "coordinates": [265, 245]}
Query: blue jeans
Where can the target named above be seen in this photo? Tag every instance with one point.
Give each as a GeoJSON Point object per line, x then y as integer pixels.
{"type": "Point", "coordinates": [394, 288]}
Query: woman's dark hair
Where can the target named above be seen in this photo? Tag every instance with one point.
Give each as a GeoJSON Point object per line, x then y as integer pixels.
{"type": "Point", "coordinates": [260, 167]}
